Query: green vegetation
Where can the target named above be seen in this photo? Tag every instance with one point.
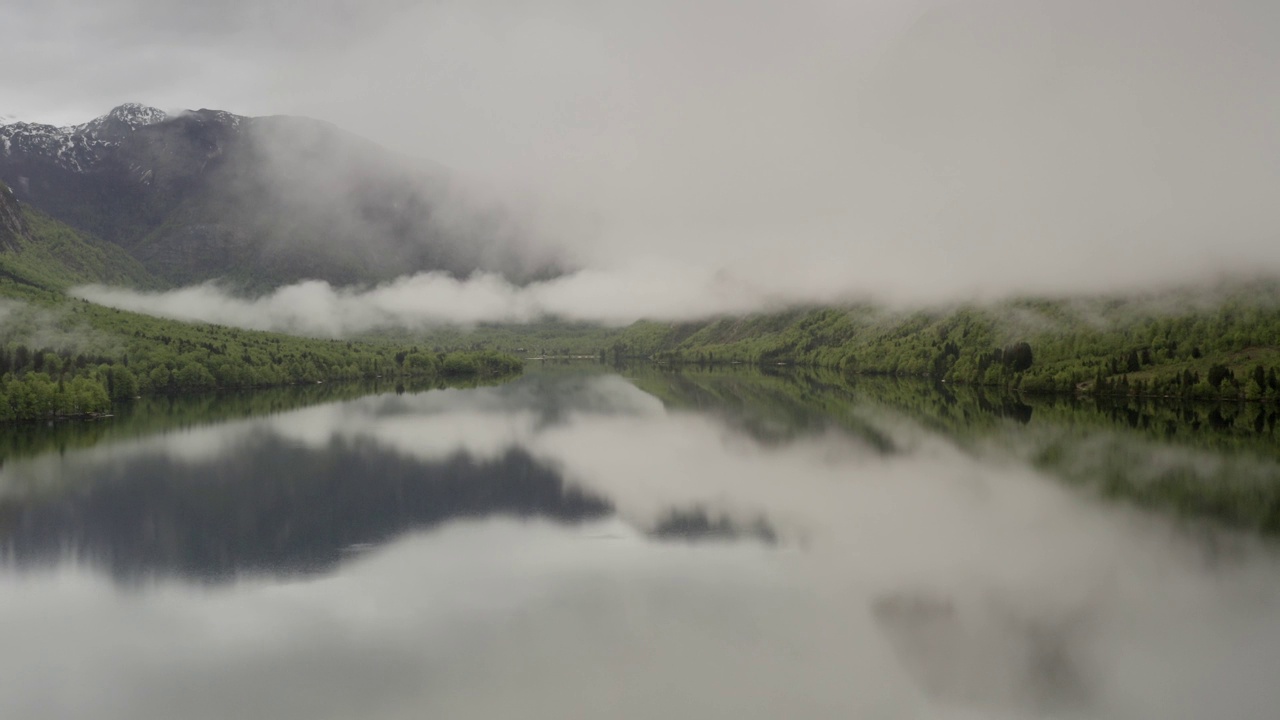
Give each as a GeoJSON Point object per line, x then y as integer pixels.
{"type": "Point", "coordinates": [69, 357]}
{"type": "Point", "coordinates": [1137, 347]}
{"type": "Point", "coordinates": [64, 357]}
{"type": "Point", "coordinates": [1197, 344]}
{"type": "Point", "coordinates": [39, 252]}
{"type": "Point", "coordinates": [50, 255]}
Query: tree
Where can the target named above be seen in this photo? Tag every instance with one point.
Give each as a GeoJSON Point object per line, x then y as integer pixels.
{"type": "Point", "coordinates": [159, 378]}
{"type": "Point", "coordinates": [1218, 373]}
{"type": "Point", "coordinates": [1018, 357]}
{"type": "Point", "coordinates": [417, 363]}
{"type": "Point", "coordinates": [83, 395]}
{"type": "Point", "coordinates": [124, 384]}
{"type": "Point", "coordinates": [460, 364]}
{"type": "Point", "coordinates": [194, 376]}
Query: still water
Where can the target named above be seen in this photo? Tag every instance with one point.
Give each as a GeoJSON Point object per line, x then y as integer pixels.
{"type": "Point", "coordinates": [591, 543]}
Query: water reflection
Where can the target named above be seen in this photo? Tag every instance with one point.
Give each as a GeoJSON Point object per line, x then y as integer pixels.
{"type": "Point", "coordinates": [299, 492]}
{"type": "Point", "coordinates": [273, 506]}
{"type": "Point", "coordinates": [1028, 663]}
{"type": "Point", "coordinates": [584, 544]}
{"type": "Point", "coordinates": [698, 524]}
{"type": "Point", "coordinates": [1219, 461]}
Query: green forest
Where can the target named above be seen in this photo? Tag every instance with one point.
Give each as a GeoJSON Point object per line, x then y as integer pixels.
{"type": "Point", "coordinates": [1201, 343]}
{"type": "Point", "coordinates": [1108, 347]}
{"type": "Point", "coordinates": [62, 357]}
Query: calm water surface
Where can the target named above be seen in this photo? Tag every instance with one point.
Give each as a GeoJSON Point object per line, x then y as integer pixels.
{"type": "Point", "coordinates": [582, 543]}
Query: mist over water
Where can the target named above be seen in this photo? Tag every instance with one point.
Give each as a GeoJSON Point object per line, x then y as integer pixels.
{"type": "Point", "coordinates": [570, 544]}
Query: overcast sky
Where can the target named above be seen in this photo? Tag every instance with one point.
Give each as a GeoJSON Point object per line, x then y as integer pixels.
{"type": "Point", "coordinates": [907, 149]}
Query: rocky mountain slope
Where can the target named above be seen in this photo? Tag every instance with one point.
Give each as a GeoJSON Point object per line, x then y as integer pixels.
{"type": "Point", "coordinates": [258, 201]}
{"type": "Point", "coordinates": [13, 228]}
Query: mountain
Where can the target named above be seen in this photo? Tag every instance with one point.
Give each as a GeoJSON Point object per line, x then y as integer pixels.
{"type": "Point", "coordinates": [13, 227]}
{"type": "Point", "coordinates": [39, 252]}
{"type": "Point", "coordinates": [259, 201]}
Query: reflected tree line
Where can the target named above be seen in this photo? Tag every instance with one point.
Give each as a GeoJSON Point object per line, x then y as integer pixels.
{"type": "Point", "coordinates": [153, 414]}
{"type": "Point", "coordinates": [1217, 460]}
{"type": "Point", "coordinates": [275, 507]}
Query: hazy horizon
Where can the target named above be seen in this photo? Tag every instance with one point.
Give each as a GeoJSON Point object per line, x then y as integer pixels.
{"type": "Point", "coordinates": [691, 160]}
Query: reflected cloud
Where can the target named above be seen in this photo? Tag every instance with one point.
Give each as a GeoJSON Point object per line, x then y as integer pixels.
{"type": "Point", "coordinates": [380, 547]}
{"type": "Point", "coordinates": [299, 492]}
{"type": "Point", "coordinates": [985, 656]}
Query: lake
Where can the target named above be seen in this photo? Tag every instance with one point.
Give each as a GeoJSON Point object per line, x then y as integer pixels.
{"type": "Point", "coordinates": [596, 542]}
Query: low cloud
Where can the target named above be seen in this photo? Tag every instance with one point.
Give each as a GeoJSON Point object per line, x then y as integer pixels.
{"type": "Point", "coordinates": [41, 328]}
{"type": "Point", "coordinates": [652, 291]}
{"type": "Point", "coordinates": [730, 156]}
{"type": "Point", "coordinates": [427, 299]}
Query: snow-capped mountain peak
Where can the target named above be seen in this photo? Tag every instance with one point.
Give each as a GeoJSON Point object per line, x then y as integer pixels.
{"type": "Point", "coordinates": [136, 114]}
{"type": "Point", "coordinates": [118, 123]}
{"type": "Point", "coordinates": [78, 147]}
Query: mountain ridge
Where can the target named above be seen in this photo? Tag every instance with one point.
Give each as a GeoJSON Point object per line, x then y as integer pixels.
{"type": "Point", "coordinates": [258, 201]}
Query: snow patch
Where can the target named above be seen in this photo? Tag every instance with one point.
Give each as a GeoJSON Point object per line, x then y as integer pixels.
{"type": "Point", "coordinates": [82, 147]}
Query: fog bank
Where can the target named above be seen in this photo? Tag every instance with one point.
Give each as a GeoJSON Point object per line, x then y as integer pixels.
{"type": "Point", "coordinates": [426, 299]}
{"type": "Point", "coordinates": [918, 151]}
{"type": "Point", "coordinates": [614, 298]}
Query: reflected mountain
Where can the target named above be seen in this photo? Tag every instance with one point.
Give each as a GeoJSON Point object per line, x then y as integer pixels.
{"type": "Point", "coordinates": [267, 504]}
{"type": "Point", "coordinates": [698, 525]}
{"type": "Point", "coordinates": [274, 507]}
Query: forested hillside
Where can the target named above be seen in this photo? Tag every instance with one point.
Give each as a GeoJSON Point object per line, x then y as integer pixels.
{"type": "Point", "coordinates": [1193, 342]}
{"type": "Point", "coordinates": [40, 252]}
{"type": "Point", "coordinates": [1219, 343]}
{"type": "Point", "coordinates": [61, 356]}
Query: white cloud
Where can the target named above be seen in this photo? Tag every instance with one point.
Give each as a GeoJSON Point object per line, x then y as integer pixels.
{"type": "Point", "coordinates": [734, 154]}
